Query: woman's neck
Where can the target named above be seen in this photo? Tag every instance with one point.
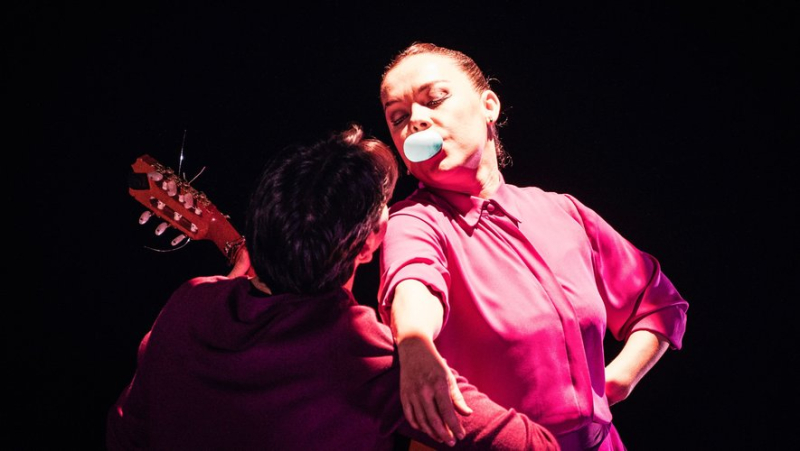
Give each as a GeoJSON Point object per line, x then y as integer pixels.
{"type": "Point", "coordinates": [489, 181]}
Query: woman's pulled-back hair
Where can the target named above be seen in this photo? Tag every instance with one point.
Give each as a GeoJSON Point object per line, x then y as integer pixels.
{"type": "Point", "coordinates": [313, 209]}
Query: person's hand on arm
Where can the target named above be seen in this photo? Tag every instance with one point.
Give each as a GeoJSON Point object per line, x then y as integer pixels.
{"type": "Point", "coordinates": [428, 390]}
{"type": "Point", "coordinates": [241, 265]}
{"type": "Point", "coordinates": [490, 427]}
{"type": "Point", "coordinates": [641, 352]}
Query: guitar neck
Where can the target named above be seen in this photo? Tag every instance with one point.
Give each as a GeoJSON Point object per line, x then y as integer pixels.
{"type": "Point", "coordinates": [174, 200]}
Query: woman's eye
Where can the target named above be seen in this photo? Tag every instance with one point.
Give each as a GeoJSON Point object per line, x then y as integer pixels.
{"type": "Point", "coordinates": [436, 102]}
{"type": "Point", "coordinates": [398, 120]}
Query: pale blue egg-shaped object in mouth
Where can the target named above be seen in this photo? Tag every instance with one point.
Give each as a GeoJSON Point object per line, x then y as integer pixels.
{"type": "Point", "coordinates": [422, 145]}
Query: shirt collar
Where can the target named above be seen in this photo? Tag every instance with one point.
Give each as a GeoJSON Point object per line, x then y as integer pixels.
{"type": "Point", "coordinates": [469, 208]}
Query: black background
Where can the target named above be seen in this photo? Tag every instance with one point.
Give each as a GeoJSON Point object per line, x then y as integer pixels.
{"type": "Point", "coordinates": [675, 123]}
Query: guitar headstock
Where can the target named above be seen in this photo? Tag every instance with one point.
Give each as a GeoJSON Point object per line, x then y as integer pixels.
{"type": "Point", "coordinates": [171, 198]}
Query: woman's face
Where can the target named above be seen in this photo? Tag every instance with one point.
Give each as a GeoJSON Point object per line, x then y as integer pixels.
{"type": "Point", "coordinates": [430, 91]}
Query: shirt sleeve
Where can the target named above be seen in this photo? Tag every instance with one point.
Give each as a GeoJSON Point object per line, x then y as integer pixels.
{"type": "Point", "coordinates": [637, 294]}
{"type": "Point", "coordinates": [412, 249]}
{"type": "Point", "coordinates": [125, 421]}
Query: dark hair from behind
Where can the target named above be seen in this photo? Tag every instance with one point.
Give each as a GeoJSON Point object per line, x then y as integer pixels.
{"type": "Point", "coordinates": [314, 207]}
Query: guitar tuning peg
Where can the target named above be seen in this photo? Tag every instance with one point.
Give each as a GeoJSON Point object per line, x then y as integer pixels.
{"type": "Point", "coordinates": [177, 240]}
{"type": "Point", "coordinates": [145, 216]}
{"type": "Point", "coordinates": [155, 176]}
{"type": "Point", "coordinates": [188, 200]}
{"type": "Point", "coordinates": [172, 188]}
{"type": "Point", "coordinates": [161, 228]}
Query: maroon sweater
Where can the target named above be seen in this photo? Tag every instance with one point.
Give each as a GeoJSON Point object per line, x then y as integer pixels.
{"type": "Point", "coordinates": [226, 367]}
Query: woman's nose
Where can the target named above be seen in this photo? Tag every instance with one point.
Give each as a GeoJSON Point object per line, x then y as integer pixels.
{"type": "Point", "coordinates": [419, 120]}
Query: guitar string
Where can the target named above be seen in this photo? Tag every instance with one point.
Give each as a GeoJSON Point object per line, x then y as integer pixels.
{"type": "Point", "coordinates": [180, 159]}
{"type": "Point", "coordinates": [185, 243]}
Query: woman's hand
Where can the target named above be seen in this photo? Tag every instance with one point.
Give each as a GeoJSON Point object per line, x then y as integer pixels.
{"type": "Point", "coordinates": [619, 385]}
{"type": "Point", "coordinates": [641, 351]}
{"type": "Point", "coordinates": [429, 392]}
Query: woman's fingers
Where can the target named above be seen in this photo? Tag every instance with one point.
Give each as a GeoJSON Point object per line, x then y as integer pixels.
{"type": "Point", "coordinates": [426, 389]}
{"type": "Point", "coordinates": [458, 399]}
{"type": "Point", "coordinates": [428, 413]}
{"type": "Point", "coordinates": [425, 408]}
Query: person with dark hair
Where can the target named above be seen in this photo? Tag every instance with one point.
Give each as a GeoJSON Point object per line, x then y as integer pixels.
{"type": "Point", "coordinates": [287, 359]}
{"type": "Point", "coordinates": [513, 286]}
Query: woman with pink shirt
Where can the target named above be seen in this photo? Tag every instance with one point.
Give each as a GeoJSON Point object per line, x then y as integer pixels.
{"type": "Point", "coordinates": [513, 286]}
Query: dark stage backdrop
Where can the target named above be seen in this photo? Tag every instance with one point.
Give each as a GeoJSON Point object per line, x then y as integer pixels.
{"type": "Point", "coordinates": [675, 123]}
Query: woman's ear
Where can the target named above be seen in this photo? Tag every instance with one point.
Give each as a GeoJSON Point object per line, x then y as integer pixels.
{"type": "Point", "coordinates": [491, 105]}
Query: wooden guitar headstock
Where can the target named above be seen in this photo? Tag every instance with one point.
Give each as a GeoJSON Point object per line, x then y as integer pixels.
{"type": "Point", "coordinates": [170, 197]}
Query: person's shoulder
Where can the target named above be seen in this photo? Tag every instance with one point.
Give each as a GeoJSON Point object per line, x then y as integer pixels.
{"type": "Point", "coordinates": [418, 199]}
{"type": "Point", "coordinates": [561, 201]}
{"type": "Point", "coordinates": [207, 286]}
{"type": "Point", "coordinates": [208, 282]}
{"type": "Point", "coordinates": [363, 343]}
{"type": "Point", "coordinates": [361, 323]}
{"type": "Point", "coordinates": [188, 295]}
{"type": "Point", "coordinates": [422, 204]}
{"type": "Point", "coordinates": [537, 193]}
{"type": "Point", "coordinates": [528, 190]}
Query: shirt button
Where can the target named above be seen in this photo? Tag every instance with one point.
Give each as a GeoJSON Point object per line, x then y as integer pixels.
{"type": "Point", "coordinates": [490, 208]}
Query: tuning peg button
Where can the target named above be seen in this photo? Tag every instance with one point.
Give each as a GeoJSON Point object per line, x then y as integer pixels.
{"type": "Point", "coordinates": [177, 240]}
{"type": "Point", "coordinates": [161, 228]}
{"type": "Point", "coordinates": [172, 188]}
{"type": "Point", "coordinates": [145, 216]}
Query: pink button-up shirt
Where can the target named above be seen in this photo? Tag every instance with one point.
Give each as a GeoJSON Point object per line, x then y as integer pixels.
{"type": "Point", "coordinates": [530, 281]}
